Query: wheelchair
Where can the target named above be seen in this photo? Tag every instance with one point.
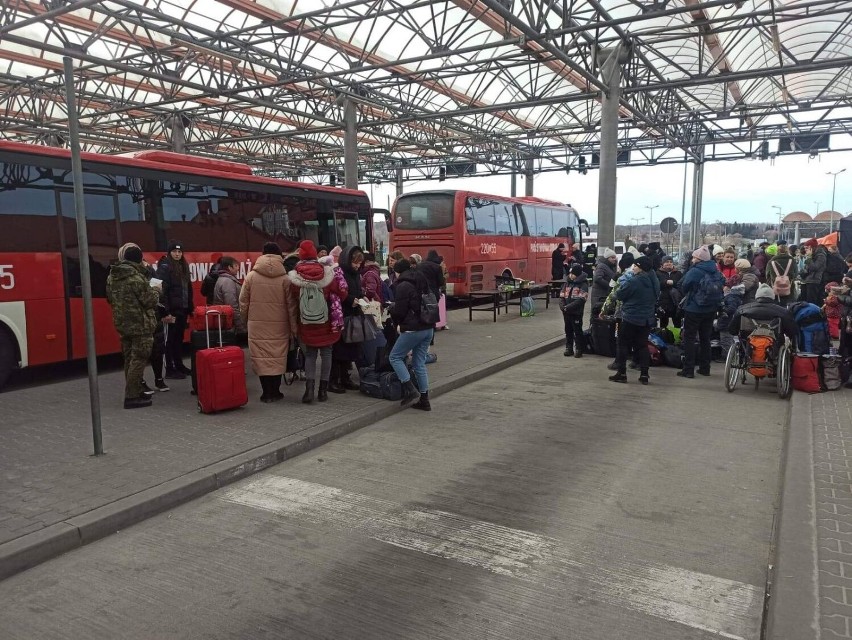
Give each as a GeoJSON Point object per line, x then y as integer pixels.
{"type": "Point", "coordinates": [777, 363]}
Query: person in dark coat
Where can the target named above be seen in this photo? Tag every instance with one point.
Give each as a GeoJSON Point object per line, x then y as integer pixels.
{"type": "Point", "coordinates": [345, 353]}
{"type": "Point", "coordinates": [760, 260]}
{"type": "Point", "coordinates": [638, 297]}
{"type": "Point", "coordinates": [698, 318]}
{"type": "Point", "coordinates": [764, 309]}
{"type": "Point", "coordinates": [669, 278]}
{"type": "Point", "coordinates": [431, 270]}
{"type": "Point", "coordinates": [173, 270]}
{"type": "Point", "coordinates": [604, 275]}
{"type": "Point", "coordinates": [572, 300]}
{"type": "Point", "coordinates": [557, 262]}
{"type": "Point", "coordinates": [812, 287]}
{"type": "Point", "coordinates": [590, 256]}
{"type": "Point", "coordinates": [414, 335]}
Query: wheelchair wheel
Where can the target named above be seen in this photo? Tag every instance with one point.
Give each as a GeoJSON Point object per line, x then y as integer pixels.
{"type": "Point", "coordinates": [733, 367]}
{"type": "Point", "coordinates": [784, 375]}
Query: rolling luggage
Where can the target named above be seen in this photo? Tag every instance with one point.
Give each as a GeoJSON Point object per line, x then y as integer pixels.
{"type": "Point", "coordinates": [201, 320]}
{"type": "Point", "coordinates": [198, 341]}
{"type": "Point", "coordinates": [603, 336]}
{"type": "Point", "coordinates": [220, 375]}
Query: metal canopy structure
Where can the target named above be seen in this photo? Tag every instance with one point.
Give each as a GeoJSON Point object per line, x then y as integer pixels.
{"type": "Point", "coordinates": [441, 87]}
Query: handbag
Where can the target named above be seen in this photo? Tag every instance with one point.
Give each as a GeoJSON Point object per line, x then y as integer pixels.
{"type": "Point", "coordinates": [358, 328]}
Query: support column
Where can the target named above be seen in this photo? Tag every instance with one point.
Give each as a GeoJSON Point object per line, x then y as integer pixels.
{"type": "Point", "coordinates": [399, 176]}
{"type": "Point", "coordinates": [350, 145]}
{"type": "Point", "coordinates": [611, 75]}
{"type": "Point", "coordinates": [528, 178]}
{"type": "Point", "coordinates": [514, 184]}
{"type": "Point", "coordinates": [695, 237]}
{"type": "Point", "coordinates": [178, 134]}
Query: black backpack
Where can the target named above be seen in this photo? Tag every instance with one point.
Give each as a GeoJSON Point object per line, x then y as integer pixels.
{"type": "Point", "coordinates": [208, 285]}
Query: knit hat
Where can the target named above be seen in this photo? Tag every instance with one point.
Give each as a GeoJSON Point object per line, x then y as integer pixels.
{"type": "Point", "coordinates": [335, 252]}
{"type": "Point", "coordinates": [401, 266]}
{"type": "Point", "coordinates": [124, 248]}
{"type": "Point", "coordinates": [742, 263]}
{"type": "Point", "coordinates": [133, 254]}
{"type": "Point", "coordinates": [626, 261]}
{"type": "Point", "coordinates": [717, 250]}
{"type": "Point", "coordinates": [772, 249]}
{"type": "Point", "coordinates": [702, 253]}
{"type": "Point", "coordinates": [764, 291]}
{"type": "Point", "coordinates": [576, 270]}
{"type": "Point", "coordinates": [634, 251]}
{"type": "Point", "coordinates": [307, 250]}
{"type": "Point", "coordinates": [175, 244]}
{"type": "Point", "coordinates": [780, 242]}
{"type": "Point", "coordinates": [667, 259]}
{"type": "Point", "coordinates": [271, 248]}
{"type": "Point", "coordinates": [645, 263]}
{"type": "Point", "coordinates": [609, 253]}
{"type": "Point", "coordinates": [810, 243]}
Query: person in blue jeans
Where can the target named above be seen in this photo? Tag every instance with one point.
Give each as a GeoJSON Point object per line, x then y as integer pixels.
{"type": "Point", "coordinates": [414, 335]}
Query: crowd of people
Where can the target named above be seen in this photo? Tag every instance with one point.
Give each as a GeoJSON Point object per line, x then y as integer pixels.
{"type": "Point", "coordinates": [705, 298]}
{"type": "Point", "coordinates": [336, 306]}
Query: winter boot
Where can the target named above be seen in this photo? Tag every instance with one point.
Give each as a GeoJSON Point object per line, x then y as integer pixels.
{"type": "Point", "coordinates": [578, 350]}
{"type": "Point", "coordinates": [137, 403]}
{"type": "Point", "coordinates": [423, 403]}
{"type": "Point", "coordinates": [568, 351]}
{"type": "Point", "coordinates": [612, 366]}
{"type": "Point", "coordinates": [265, 397]}
{"type": "Point", "coordinates": [322, 394]}
{"type": "Point", "coordinates": [643, 377]}
{"type": "Point", "coordinates": [619, 376]}
{"type": "Point", "coordinates": [410, 393]}
{"type": "Point", "coordinates": [308, 397]}
{"type": "Point", "coordinates": [334, 383]}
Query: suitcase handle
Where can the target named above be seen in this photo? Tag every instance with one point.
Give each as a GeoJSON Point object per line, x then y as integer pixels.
{"type": "Point", "coordinates": [218, 314]}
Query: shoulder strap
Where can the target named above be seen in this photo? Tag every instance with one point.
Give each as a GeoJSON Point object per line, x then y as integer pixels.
{"type": "Point", "coordinates": [775, 268]}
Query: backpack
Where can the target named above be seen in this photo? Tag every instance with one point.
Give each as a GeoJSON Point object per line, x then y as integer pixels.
{"type": "Point", "coordinates": [710, 290]}
{"type": "Point", "coordinates": [760, 342]}
{"type": "Point", "coordinates": [208, 285]}
{"type": "Point", "coordinates": [429, 313]}
{"type": "Point", "coordinates": [781, 285]}
{"type": "Point", "coordinates": [665, 333]}
{"type": "Point", "coordinates": [813, 329]}
{"type": "Point", "coordinates": [312, 306]}
{"type": "Point", "coordinates": [527, 307]}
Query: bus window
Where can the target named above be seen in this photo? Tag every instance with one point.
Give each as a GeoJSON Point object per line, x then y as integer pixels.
{"type": "Point", "coordinates": [543, 222]}
{"type": "Point", "coordinates": [481, 217]}
{"type": "Point", "coordinates": [504, 220]}
{"type": "Point", "coordinates": [424, 211]}
{"type": "Point", "coordinates": [27, 202]}
{"type": "Point", "coordinates": [561, 223]}
{"type": "Point", "coordinates": [102, 235]}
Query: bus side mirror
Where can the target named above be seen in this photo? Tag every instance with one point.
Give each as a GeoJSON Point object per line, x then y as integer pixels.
{"type": "Point", "coordinates": [586, 225]}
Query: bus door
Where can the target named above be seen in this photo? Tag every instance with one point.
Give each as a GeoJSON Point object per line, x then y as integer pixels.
{"type": "Point", "coordinates": [349, 229]}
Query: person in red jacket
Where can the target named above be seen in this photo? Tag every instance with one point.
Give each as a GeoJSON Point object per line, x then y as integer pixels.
{"type": "Point", "coordinates": [316, 339]}
{"type": "Point", "coordinates": [727, 267]}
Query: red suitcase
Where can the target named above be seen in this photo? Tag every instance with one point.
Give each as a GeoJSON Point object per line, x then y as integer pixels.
{"type": "Point", "coordinates": [221, 375]}
{"type": "Point", "coordinates": [201, 320]}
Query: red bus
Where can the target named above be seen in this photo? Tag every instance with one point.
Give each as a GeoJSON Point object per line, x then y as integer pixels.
{"type": "Point", "coordinates": [214, 208]}
{"type": "Point", "coordinates": [481, 236]}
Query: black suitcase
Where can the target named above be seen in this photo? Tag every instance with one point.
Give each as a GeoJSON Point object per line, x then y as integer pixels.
{"type": "Point", "coordinates": [603, 336]}
{"type": "Point", "coordinates": [198, 341]}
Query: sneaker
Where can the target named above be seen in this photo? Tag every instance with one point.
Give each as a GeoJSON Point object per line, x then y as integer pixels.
{"type": "Point", "coordinates": [173, 374]}
{"type": "Point", "coordinates": [146, 390]}
{"type": "Point", "coordinates": [161, 385]}
{"type": "Point", "coordinates": [685, 374]}
{"type": "Point", "coordinates": [644, 379]}
{"type": "Point", "coordinates": [618, 377]}
{"type": "Point", "coordinates": [137, 403]}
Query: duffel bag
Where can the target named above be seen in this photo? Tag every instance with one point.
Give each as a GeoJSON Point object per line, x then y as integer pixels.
{"type": "Point", "coordinates": [655, 354]}
{"type": "Point", "coordinates": [805, 373]}
{"type": "Point", "coordinates": [201, 320]}
{"type": "Point", "coordinates": [391, 386]}
{"type": "Point", "coordinates": [673, 356]}
{"type": "Point", "coordinates": [370, 384]}
{"type": "Point", "coordinates": [603, 336]}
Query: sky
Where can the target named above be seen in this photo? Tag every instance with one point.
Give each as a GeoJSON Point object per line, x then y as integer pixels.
{"type": "Point", "coordinates": [734, 191]}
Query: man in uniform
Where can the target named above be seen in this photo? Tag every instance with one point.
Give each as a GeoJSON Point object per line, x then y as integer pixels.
{"type": "Point", "coordinates": [133, 302]}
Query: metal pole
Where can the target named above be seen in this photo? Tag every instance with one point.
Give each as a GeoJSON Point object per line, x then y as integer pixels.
{"type": "Point", "coordinates": [697, 196]}
{"type": "Point", "coordinates": [611, 73]}
{"type": "Point", "coordinates": [83, 247]}
{"type": "Point", "coordinates": [833, 190]}
{"type": "Point", "coordinates": [683, 204]}
{"type": "Point", "coordinates": [178, 134]}
{"type": "Point", "coordinates": [528, 186]}
{"type": "Point", "coordinates": [514, 183]}
{"type": "Point", "coordinates": [399, 177]}
{"type": "Point", "coordinates": [350, 145]}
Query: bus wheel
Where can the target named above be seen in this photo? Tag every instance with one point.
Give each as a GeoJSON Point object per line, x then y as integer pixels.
{"type": "Point", "coordinates": [8, 361]}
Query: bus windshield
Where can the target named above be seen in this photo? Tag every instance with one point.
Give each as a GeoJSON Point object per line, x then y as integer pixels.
{"type": "Point", "coordinates": [424, 211]}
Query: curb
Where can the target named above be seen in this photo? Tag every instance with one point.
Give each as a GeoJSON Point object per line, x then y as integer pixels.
{"type": "Point", "coordinates": [27, 551]}
{"type": "Point", "coordinates": [794, 595]}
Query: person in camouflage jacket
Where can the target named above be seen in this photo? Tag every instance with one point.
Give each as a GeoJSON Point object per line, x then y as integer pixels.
{"type": "Point", "coordinates": [133, 303]}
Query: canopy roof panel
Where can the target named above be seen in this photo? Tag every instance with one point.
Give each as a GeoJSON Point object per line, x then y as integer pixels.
{"type": "Point", "coordinates": [487, 83]}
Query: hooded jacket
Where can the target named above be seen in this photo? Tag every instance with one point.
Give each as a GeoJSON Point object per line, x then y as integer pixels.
{"type": "Point", "coordinates": [750, 279]}
{"type": "Point", "coordinates": [405, 311]}
{"type": "Point", "coordinates": [690, 282]}
{"type": "Point", "coordinates": [815, 266]}
{"type": "Point", "coordinates": [573, 295]}
{"type": "Point", "coordinates": [132, 299]}
{"type": "Point", "coordinates": [604, 274]}
{"type": "Point", "coordinates": [371, 282]}
{"type": "Point", "coordinates": [227, 291]}
{"type": "Point", "coordinates": [311, 271]}
{"type": "Point", "coordinates": [759, 263]}
{"type": "Point", "coordinates": [431, 270]}
{"type": "Point", "coordinates": [266, 308]}
{"type": "Point", "coordinates": [638, 297]}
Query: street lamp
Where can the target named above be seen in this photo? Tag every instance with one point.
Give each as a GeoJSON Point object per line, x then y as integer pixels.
{"type": "Point", "coordinates": [651, 220]}
{"type": "Point", "coordinates": [775, 206]}
{"type": "Point", "coordinates": [817, 206]}
{"type": "Point", "coordinates": [834, 174]}
{"type": "Point", "coordinates": [636, 222]}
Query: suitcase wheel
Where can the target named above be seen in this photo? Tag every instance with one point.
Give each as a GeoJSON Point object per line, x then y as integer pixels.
{"type": "Point", "coordinates": [199, 407]}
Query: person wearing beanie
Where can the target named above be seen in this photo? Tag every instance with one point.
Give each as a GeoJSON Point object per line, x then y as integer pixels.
{"type": "Point", "coordinates": [414, 335]}
{"type": "Point", "coordinates": [626, 262]}
{"type": "Point", "coordinates": [173, 270]}
{"type": "Point", "coordinates": [269, 313]}
{"type": "Point", "coordinates": [335, 253]}
{"type": "Point", "coordinates": [603, 278]}
{"type": "Point", "coordinates": [572, 301]}
{"type": "Point", "coordinates": [771, 250]}
{"type": "Point", "coordinates": [748, 277]}
{"type": "Point", "coordinates": [718, 252]}
{"type": "Point", "coordinates": [764, 310]}
{"type": "Point", "coordinates": [638, 296]}
{"type": "Point", "coordinates": [317, 338]}
{"type": "Point", "coordinates": [703, 287]}
{"type": "Point", "coordinates": [816, 258]}
{"type": "Point", "coordinates": [322, 251]}
{"type": "Point", "coordinates": [669, 277]}
{"type": "Point", "coordinates": [133, 301]}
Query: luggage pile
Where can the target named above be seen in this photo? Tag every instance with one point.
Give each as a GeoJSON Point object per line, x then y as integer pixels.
{"type": "Point", "coordinates": [663, 343]}
{"type": "Point", "coordinates": [816, 367]}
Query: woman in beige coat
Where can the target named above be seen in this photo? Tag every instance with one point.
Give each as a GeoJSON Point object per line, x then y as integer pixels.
{"type": "Point", "coordinates": [266, 309]}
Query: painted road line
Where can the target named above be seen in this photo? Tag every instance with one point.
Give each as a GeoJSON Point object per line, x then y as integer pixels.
{"type": "Point", "coordinates": [723, 607]}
